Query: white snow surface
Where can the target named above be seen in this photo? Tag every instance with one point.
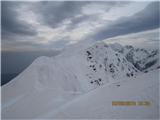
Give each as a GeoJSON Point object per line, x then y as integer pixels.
{"type": "Point", "coordinates": [97, 104]}
{"type": "Point", "coordinates": [80, 83]}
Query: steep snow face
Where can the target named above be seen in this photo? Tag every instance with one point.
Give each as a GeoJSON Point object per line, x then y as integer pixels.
{"type": "Point", "coordinates": [95, 65]}
{"type": "Point", "coordinates": [97, 104]}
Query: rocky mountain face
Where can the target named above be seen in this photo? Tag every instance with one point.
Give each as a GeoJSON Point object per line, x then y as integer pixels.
{"type": "Point", "coordinates": [106, 65]}
{"type": "Point", "coordinates": [142, 59]}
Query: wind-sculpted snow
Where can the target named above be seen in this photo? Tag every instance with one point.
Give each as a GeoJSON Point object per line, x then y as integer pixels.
{"type": "Point", "coordinates": [51, 82]}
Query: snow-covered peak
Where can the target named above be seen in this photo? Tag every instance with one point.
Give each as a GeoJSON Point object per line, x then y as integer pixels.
{"type": "Point", "coordinates": [117, 47]}
{"type": "Point", "coordinates": [73, 49]}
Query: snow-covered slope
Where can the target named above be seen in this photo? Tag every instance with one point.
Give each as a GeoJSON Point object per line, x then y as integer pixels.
{"type": "Point", "coordinates": [97, 104]}
{"type": "Point", "coordinates": [49, 83]}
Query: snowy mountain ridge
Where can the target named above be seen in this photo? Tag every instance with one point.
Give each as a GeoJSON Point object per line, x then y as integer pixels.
{"type": "Point", "coordinates": [89, 67]}
{"type": "Point", "coordinates": [61, 78]}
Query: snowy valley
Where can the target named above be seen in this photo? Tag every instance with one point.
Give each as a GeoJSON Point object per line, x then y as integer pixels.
{"type": "Point", "coordinates": [83, 81]}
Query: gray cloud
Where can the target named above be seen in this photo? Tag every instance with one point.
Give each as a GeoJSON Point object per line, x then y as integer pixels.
{"type": "Point", "coordinates": [53, 13]}
{"type": "Point", "coordinates": [146, 19]}
{"type": "Point", "coordinates": [59, 44]}
{"type": "Point", "coordinates": [11, 25]}
{"type": "Point", "coordinates": [84, 18]}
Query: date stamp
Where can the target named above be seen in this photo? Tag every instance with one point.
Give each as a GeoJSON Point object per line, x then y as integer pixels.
{"type": "Point", "coordinates": [131, 103]}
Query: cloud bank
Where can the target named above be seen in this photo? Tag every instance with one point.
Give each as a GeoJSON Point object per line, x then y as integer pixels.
{"type": "Point", "coordinates": [53, 25]}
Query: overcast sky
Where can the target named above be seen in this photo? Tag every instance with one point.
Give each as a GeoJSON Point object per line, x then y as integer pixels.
{"type": "Point", "coordinates": [36, 26]}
